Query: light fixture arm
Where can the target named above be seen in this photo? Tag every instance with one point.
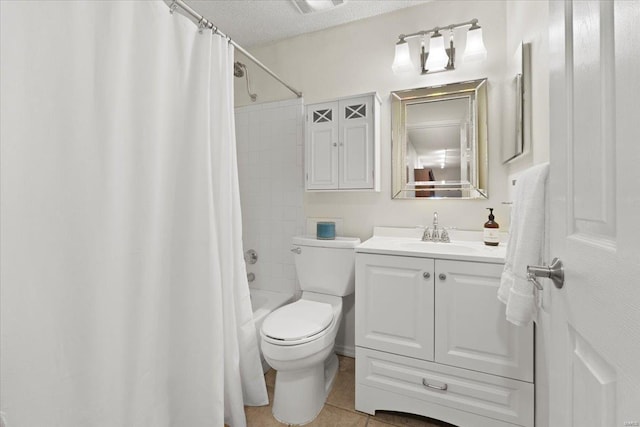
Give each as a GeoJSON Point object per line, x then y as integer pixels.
{"type": "Point", "coordinates": [473, 23]}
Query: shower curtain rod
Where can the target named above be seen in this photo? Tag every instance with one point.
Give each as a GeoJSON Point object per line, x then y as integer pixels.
{"type": "Point", "coordinates": [205, 23]}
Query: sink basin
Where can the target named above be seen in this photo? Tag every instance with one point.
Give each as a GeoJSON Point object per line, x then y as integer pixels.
{"type": "Point", "coordinates": [451, 248]}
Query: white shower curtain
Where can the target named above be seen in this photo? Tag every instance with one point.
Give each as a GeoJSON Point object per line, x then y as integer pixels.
{"type": "Point", "coordinates": [124, 299]}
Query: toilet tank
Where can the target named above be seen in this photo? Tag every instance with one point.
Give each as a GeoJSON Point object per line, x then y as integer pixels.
{"type": "Point", "coordinates": [325, 266]}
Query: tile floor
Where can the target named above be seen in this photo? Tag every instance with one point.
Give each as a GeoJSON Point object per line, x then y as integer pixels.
{"type": "Point", "coordinates": [339, 409]}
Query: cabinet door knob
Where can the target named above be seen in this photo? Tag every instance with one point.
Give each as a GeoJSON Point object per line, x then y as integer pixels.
{"type": "Point", "coordinates": [442, 276]}
{"type": "Point", "coordinates": [426, 275]}
{"type": "Point", "coordinates": [335, 144]}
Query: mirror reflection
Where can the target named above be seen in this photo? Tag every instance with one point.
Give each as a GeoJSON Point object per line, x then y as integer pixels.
{"type": "Point", "coordinates": [439, 141]}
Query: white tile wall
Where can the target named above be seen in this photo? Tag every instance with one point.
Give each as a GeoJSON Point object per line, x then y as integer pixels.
{"type": "Point", "coordinates": [270, 166]}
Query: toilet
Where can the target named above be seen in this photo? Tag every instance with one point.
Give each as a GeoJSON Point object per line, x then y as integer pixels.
{"type": "Point", "coordinates": [298, 339]}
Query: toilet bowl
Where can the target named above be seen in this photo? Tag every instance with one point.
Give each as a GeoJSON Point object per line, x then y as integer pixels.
{"type": "Point", "coordinates": [298, 339]}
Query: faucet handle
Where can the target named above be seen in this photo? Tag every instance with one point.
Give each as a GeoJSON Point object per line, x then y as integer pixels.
{"type": "Point", "coordinates": [444, 236]}
{"type": "Point", "coordinates": [427, 234]}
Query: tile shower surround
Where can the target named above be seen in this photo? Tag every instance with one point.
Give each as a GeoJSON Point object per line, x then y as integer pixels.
{"type": "Point", "coordinates": [270, 142]}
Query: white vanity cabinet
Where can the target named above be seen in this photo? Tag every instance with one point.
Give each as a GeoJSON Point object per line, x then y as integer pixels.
{"type": "Point", "coordinates": [342, 144]}
{"type": "Point", "coordinates": [432, 339]}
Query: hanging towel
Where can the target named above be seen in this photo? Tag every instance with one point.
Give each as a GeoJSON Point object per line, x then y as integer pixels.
{"type": "Point", "coordinates": [526, 245]}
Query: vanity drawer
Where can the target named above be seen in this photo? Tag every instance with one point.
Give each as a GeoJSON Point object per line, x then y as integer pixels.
{"type": "Point", "coordinates": [491, 396]}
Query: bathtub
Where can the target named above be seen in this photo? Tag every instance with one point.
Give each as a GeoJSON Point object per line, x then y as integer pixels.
{"type": "Point", "coordinates": [263, 303]}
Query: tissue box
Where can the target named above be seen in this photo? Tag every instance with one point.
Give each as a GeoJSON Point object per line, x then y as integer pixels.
{"type": "Point", "coordinates": [326, 230]}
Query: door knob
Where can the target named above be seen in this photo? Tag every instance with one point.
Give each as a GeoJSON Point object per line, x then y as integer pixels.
{"type": "Point", "coordinates": [442, 276]}
{"type": "Point", "coordinates": [555, 272]}
{"type": "Point", "coordinates": [426, 275]}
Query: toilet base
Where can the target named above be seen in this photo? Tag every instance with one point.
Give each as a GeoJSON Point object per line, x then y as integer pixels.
{"type": "Point", "coordinates": [300, 395]}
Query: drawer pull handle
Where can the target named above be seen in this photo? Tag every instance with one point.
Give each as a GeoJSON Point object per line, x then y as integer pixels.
{"type": "Point", "coordinates": [435, 387]}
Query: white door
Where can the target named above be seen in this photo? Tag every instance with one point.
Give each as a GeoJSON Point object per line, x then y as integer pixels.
{"type": "Point", "coordinates": [322, 146]}
{"type": "Point", "coordinates": [356, 143]}
{"type": "Point", "coordinates": [594, 350]}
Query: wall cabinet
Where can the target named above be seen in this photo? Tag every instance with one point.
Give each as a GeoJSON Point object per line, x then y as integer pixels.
{"type": "Point", "coordinates": [342, 144]}
{"type": "Point", "coordinates": [431, 339]}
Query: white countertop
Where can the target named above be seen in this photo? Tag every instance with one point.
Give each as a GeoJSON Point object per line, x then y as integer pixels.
{"type": "Point", "coordinates": [464, 245]}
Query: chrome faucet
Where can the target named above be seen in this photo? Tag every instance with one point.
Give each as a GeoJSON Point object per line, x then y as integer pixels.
{"type": "Point", "coordinates": [438, 234]}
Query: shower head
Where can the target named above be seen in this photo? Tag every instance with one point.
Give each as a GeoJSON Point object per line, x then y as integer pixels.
{"type": "Point", "coordinates": [240, 70]}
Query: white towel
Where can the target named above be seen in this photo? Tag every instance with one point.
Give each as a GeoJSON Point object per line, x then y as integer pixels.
{"type": "Point", "coordinates": [525, 247]}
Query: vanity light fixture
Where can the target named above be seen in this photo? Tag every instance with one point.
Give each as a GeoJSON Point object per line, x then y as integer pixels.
{"type": "Point", "coordinates": [437, 58]}
{"type": "Point", "coordinates": [475, 50]}
{"type": "Point", "coordinates": [441, 55]}
{"type": "Point", "coordinates": [402, 62]}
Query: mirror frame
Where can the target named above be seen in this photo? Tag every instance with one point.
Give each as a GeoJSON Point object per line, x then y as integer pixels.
{"type": "Point", "coordinates": [476, 187]}
{"type": "Point", "coordinates": [516, 137]}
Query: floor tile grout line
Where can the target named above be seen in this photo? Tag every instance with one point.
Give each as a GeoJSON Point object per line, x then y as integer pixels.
{"type": "Point", "coordinates": [346, 409]}
{"type": "Point", "coordinates": [353, 411]}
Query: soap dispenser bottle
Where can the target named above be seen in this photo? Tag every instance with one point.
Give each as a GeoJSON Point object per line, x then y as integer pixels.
{"type": "Point", "coordinates": [491, 233]}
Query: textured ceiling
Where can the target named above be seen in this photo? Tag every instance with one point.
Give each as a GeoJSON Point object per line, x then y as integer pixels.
{"type": "Point", "coordinates": [254, 22]}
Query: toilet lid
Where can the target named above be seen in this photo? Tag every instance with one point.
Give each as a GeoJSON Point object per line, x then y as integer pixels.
{"type": "Point", "coordinates": [299, 320]}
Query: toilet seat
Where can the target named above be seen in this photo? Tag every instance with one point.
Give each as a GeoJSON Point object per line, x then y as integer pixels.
{"type": "Point", "coordinates": [297, 323]}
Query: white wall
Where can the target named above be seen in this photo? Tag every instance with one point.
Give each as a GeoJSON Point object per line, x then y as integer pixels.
{"type": "Point", "coordinates": [356, 58]}
{"type": "Point", "coordinates": [529, 22]}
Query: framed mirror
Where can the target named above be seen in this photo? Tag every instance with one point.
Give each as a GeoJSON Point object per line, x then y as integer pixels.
{"type": "Point", "coordinates": [439, 142]}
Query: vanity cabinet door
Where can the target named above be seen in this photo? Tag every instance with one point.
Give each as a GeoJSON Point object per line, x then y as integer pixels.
{"type": "Point", "coordinates": [470, 324]}
{"type": "Point", "coordinates": [394, 304]}
{"type": "Point", "coordinates": [322, 150]}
